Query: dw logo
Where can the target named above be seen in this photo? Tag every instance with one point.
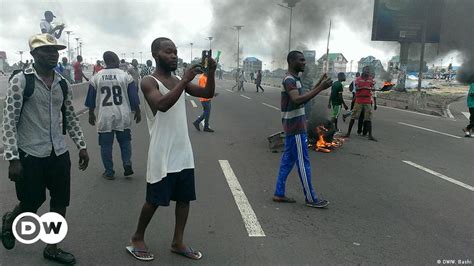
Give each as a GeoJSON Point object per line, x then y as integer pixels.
{"type": "Point", "coordinates": [51, 228]}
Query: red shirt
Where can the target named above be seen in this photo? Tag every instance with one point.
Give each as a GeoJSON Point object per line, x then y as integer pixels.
{"type": "Point", "coordinates": [97, 68]}
{"type": "Point", "coordinates": [77, 71]}
{"type": "Point", "coordinates": [364, 90]}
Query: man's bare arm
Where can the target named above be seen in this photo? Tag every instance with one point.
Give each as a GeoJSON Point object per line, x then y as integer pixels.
{"type": "Point", "coordinates": [158, 101]}
{"type": "Point", "coordinates": [304, 98]}
{"type": "Point", "coordinates": [209, 91]}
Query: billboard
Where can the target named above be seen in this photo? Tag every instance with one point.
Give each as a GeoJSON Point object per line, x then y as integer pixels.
{"type": "Point", "coordinates": [402, 20]}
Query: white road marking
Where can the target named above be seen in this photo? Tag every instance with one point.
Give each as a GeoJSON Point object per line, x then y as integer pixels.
{"type": "Point", "coordinates": [466, 114]}
{"type": "Point", "coordinates": [248, 215]}
{"type": "Point", "coordinates": [430, 130]}
{"type": "Point", "coordinates": [82, 112]}
{"type": "Point", "coordinates": [229, 91]}
{"type": "Point", "coordinates": [448, 111]}
{"type": "Point", "coordinates": [271, 106]}
{"type": "Point", "coordinates": [407, 111]}
{"type": "Point", "coordinates": [245, 97]}
{"type": "Point", "coordinates": [449, 179]}
{"type": "Point", "coordinates": [193, 103]}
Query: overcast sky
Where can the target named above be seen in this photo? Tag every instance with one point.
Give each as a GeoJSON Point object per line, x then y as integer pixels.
{"type": "Point", "coordinates": [129, 26]}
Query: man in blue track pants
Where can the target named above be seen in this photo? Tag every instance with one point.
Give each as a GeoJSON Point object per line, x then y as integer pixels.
{"type": "Point", "coordinates": [294, 125]}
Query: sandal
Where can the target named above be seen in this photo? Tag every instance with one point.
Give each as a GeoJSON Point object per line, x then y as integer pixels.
{"type": "Point", "coordinates": [188, 253]}
{"type": "Point", "coordinates": [140, 254]}
{"type": "Point", "coordinates": [283, 199]}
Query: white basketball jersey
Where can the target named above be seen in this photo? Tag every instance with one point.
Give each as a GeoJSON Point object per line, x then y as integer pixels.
{"type": "Point", "coordinates": [113, 103]}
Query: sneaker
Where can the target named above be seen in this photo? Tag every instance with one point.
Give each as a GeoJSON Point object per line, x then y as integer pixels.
{"type": "Point", "coordinates": [318, 204]}
{"type": "Point", "coordinates": [59, 255]}
{"type": "Point", "coordinates": [108, 176]}
{"type": "Point", "coordinates": [196, 125]}
{"type": "Point", "coordinates": [467, 133]}
{"type": "Point", "coordinates": [128, 170]}
{"type": "Point", "coordinates": [8, 239]}
{"type": "Point", "coordinates": [206, 129]}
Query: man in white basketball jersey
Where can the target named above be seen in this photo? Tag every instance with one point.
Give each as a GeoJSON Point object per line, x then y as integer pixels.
{"type": "Point", "coordinates": [118, 105]}
{"type": "Point", "coordinates": [170, 166]}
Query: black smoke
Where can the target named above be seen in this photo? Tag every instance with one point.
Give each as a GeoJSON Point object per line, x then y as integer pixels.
{"type": "Point", "coordinates": [267, 25]}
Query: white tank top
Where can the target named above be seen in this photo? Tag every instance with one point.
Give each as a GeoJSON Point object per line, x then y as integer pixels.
{"type": "Point", "coordinates": [170, 149]}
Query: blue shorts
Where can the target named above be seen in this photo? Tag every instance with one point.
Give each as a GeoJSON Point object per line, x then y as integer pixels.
{"type": "Point", "coordinates": [175, 186]}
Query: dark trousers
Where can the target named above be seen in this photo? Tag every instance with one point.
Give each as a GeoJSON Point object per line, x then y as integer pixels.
{"type": "Point", "coordinates": [471, 119]}
{"type": "Point", "coordinates": [258, 85]}
{"type": "Point", "coordinates": [206, 113]}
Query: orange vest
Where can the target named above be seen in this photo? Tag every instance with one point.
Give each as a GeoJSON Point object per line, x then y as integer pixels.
{"type": "Point", "coordinates": [202, 83]}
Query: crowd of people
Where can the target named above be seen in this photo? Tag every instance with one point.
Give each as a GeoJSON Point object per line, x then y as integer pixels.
{"type": "Point", "coordinates": [35, 124]}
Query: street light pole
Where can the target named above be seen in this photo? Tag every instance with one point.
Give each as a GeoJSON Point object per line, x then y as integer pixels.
{"type": "Point", "coordinates": [190, 61]}
{"type": "Point", "coordinates": [77, 45]}
{"type": "Point", "coordinates": [210, 39]}
{"type": "Point", "coordinates": [68, 45]}
{"type": "Point", "coordinates": [21, 55]}
{"type": "Point", "coordinates": [289, 36]}
{"type": "Point", "coordinates": [290, 5]}
{"type": "Point", "coordinates": [238, 28]}
{"type": "Point", "coordinates": [141, 62]}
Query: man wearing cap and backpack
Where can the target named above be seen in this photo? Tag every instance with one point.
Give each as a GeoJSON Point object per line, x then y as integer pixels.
{"type": "Point", "coordinates": [34, 141]}
{"type": "Point", "coordinates": [46, 26]}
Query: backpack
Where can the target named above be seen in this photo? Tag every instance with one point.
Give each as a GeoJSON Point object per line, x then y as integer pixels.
{"type": "Point", "coordinates": [30, 88]}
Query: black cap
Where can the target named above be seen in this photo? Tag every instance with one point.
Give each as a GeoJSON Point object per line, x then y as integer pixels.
{"type": "Point", "coordinates": [49, 13]}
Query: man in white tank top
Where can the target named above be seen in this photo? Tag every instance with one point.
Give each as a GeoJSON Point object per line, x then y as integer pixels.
{"type": "Point", "coordinates": [170, 167]}
{"type": "Point", "coordinates": [118, 105]}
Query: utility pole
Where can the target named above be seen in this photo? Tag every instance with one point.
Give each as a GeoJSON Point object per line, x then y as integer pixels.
{"type": "Point", "coordinates": [80, 48]}
{"type": "Point", "coordinates": [141, 62]}
{"type": "Point", "coordinates": [190, 61]}
{"type": "Point", "coordinates": [290, 5]}
{"type": "Point", "coordinates": [68, 45]}
{"type": "Point", "coordinates": [238, 28]}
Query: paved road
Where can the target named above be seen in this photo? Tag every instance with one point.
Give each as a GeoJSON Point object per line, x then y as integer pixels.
{"type": "Point", "coordinates": [383, 210]}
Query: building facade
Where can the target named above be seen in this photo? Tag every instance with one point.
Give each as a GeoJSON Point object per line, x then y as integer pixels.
{"type": "Point", "coordinates": [310, 56]}
{"type": "Point", "coordinates": [252, 64]}
{"type": "Point", "coordinates": [337, 63]}
{"type": "Point", "coordinates": [374, 64]}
